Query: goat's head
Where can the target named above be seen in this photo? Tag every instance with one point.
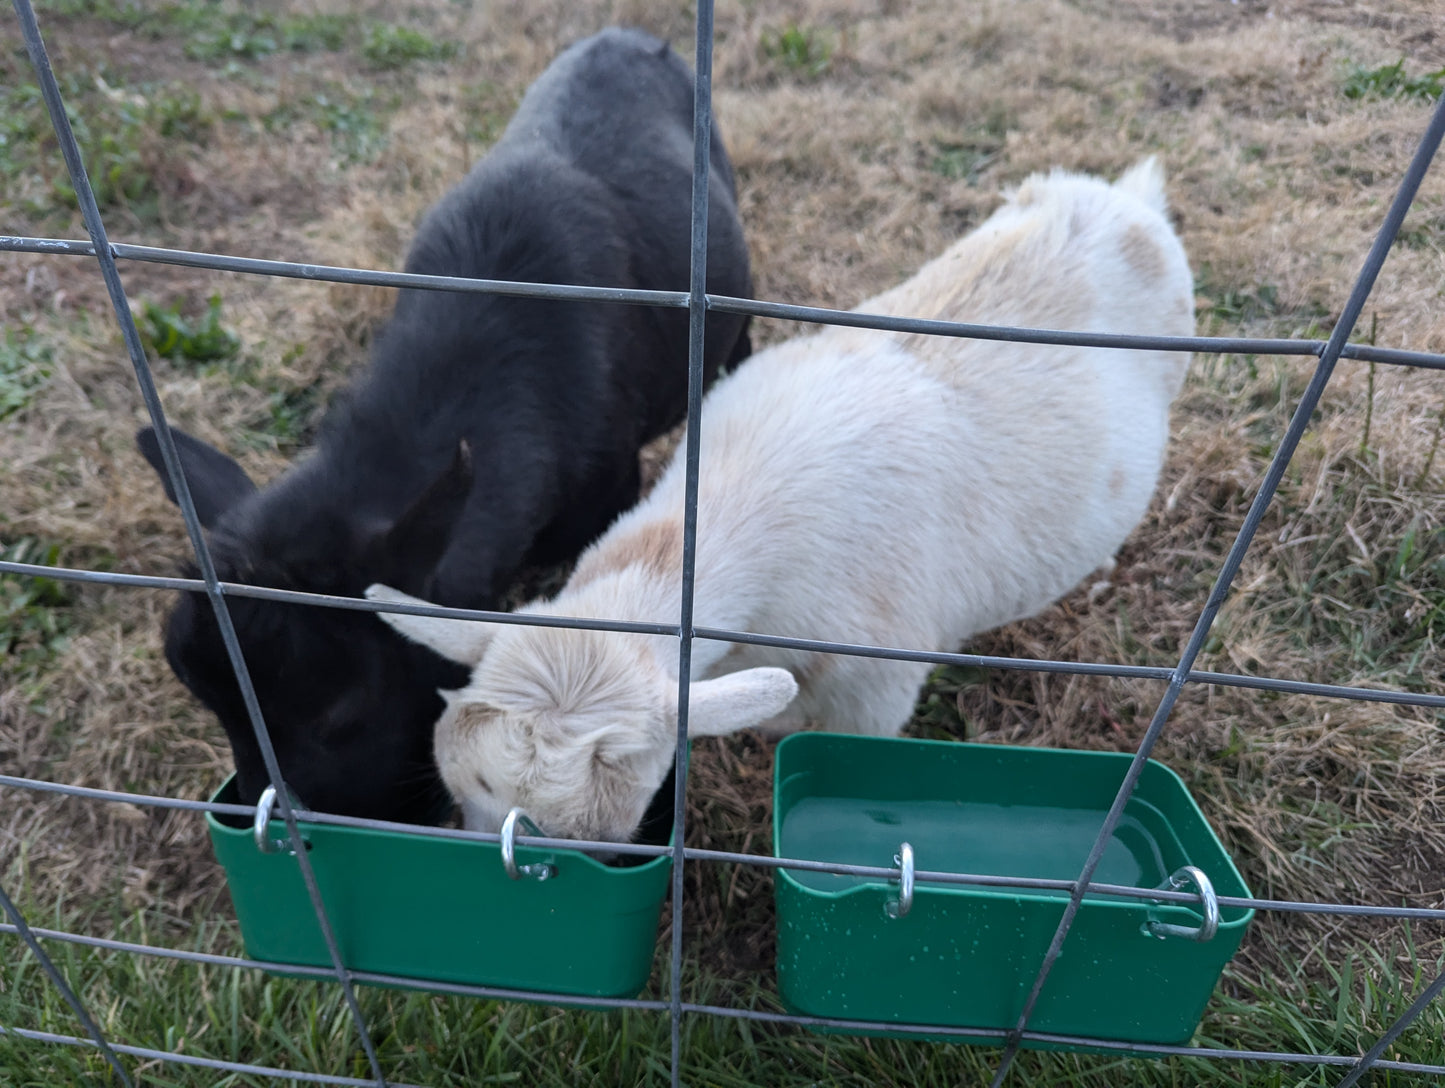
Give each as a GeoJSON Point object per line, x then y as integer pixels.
{"type": "Point", "coordinates": [349, 705]}
{"type": "Point", "coordinates": [577, 728]}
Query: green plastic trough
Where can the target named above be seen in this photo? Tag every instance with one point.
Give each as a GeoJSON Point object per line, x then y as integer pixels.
{"type": "Point", "coordinates": [967, 956]}
{"type": "Point", "coordinates": [445, 909]}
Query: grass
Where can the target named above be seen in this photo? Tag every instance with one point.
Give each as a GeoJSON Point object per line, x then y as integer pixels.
{"type": "Point", "coordinates": [1423, 230]}
{"type": "Point", "coordinates": [290, 416]}
{"type": "Point", "coordinates": [799, 50]}
{"type": "Point", "coordinates": [129, 134]}
{"type": "Point", "coordinates": [1391, 81]}
{"type": "Point", "coordinates": [215, 34]}
{"type": "Point", "coordinates": [269, 131]}
{"type": "Point", "coordinates": [1340, 1006]}
{"type": "Point", "coordinates": [440, 1041]}
{"type": "Point", "coordinates": [212, 31]}
{"type": "Point", "coordinates": [24, 367]}
{"type": "Point", "coordinates": [36, 616]}
{"type": "Point", "coordinates": [171, 335]}
{"type": "Point", "coordinates": [962, 161]}
{"type": "Point", "coordinates": [968, 157]}
{"type": "Point", "coordinates": [391, 47]}
{"type": "Point", "coordinates": [354, 125]}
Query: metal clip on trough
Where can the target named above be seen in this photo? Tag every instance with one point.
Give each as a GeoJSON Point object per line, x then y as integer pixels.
{"type": "Point", "coordinates": [899, 908]}
{"type": "Point", "coordinates": [540, 870]}
{"type": "Point", "coordinates": [264, 842]}
{"type": "Point", "coordinates": [1208, 901]}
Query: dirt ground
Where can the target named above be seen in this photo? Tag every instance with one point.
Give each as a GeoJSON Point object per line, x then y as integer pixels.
{"type": "Point", "coordinates": [866, 135]}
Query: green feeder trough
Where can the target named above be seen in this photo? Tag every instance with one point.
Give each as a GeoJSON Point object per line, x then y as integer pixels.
{"type": "Point", "coordinates": [867, 948]}
{"type": "Point", "coordinates": [445, 910]}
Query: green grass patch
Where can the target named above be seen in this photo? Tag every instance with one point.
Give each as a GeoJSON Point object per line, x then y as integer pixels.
{"type": "Point", "coordinates": [391, 47]}
{"type": "Point", "coordinates": [23, 126]}
{"type": "Point", "coordinates": [247, 35]}
{"type": "Point", "coordinates": [965, 158]}
{"type": "Point", "coordinates": [24, 368]}
{"type": "Point", "coordinates": [291, 415]}
{"type": "Point", "coordinates": [798, 50]}
{"type": "Point", "coordinates": [211, 31]}
{"type": "Point", "coordinates": [939, 714]}
{"type": "Point", "coordinates": [1234, 306]}
{"type": "Point", "coordinates": [355, 125]}
{"type": "Point", "coordinates": [1391, 81]}
{"type": "Point", "coordinates": [962, 161]}
{"type": "Point", "coordinates": [1339, 1004]}
{"type": "Point", "coordinates": [126, 134]}
{"type": "Point", "coordinates": [1253, 307]}
{"type": "Point", "coordinates": [172, 335]}
{"type": "Point", "coordinates": [35, 612]}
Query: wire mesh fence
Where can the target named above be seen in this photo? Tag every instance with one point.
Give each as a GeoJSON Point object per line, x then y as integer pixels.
{"type": "Point", "coordinates": [698, 303]}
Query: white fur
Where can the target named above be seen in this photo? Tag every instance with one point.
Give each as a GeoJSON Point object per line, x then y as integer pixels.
{"type": "Point", "coordinates": [856, 486]}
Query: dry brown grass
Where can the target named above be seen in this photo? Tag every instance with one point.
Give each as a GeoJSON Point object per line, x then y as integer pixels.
{"type": "Point", "coordinates": [849, 179]}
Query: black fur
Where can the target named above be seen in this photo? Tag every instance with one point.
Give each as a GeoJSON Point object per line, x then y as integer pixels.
{"type": "Point", "coordinates": [488, 431]}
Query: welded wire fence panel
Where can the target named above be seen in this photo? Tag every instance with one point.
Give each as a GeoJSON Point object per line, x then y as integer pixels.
{"type": "Point", "coordinates": [697, 302]}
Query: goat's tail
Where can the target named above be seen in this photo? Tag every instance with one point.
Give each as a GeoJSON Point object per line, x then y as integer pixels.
{"type": "Point", "coordinates": [1145, 180]}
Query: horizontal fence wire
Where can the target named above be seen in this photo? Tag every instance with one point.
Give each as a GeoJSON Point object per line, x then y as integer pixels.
{"type": "Point", "coordinates": [697, 302]}
{"type": "Point", "coordinates": [1371, 1058]}
{"type": "Point", "coordinates": [20, 928]}
{"type": "Point", "coordinates": [761, 861]}
{"type": "Point", "coordinates": [177, 1058]}
{"type": "Point", "coordinates": [814, 315]}
{"type": "Point", "coordinates": [1280, 685]}
{"type": "Point", "coordinates": [961, 1034]}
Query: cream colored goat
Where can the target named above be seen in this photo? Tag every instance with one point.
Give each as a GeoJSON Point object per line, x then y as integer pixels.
{"type": "Point", "coordinates": [857, 486]}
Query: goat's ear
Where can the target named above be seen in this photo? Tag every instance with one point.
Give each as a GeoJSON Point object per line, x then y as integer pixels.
{"type": "Point", "coordinates": [738, 700]}
{"type": "Point", "coordinates": [217, 483]}
{"type": "Point", "coordinates": [410, 549]}
{"type": "Point", "coordinates": [462, 641]}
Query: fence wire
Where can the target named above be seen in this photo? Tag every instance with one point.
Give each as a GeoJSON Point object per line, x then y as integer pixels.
{"type": "Point", "coordinates": [698, 302]}
{"type": "Point", "coordinates": [1279, 685]}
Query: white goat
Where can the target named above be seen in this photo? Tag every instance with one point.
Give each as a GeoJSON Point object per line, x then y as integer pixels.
{"type": "Point", "coordinates": [857, 486]}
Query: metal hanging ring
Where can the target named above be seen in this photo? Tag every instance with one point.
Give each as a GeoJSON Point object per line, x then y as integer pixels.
{"type": "Point", "coordinates": [264, 842]}
{"type": "Point", "coordinates": [1208, 901]}
{"type": "Point", "coordinates": [539, 870]}
{"type": "Point", "coordinates": [265, 811]}
{"type": "Point", "coordinates": [899, 908]}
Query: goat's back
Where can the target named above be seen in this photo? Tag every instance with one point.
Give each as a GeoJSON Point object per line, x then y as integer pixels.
{"type": "Point", "coordinates": [589, 184]}
{"type": "Point", "coordinates": [916, 490]}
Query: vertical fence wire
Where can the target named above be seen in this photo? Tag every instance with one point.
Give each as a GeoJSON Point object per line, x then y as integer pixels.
{"type": "Point", "coordinates": [696, 344]}
{"type": "Point", "coordinates": [95, 227]}
{"type": "Point", "coordinates": [1354, 305]}
{"type": "Point", "coordinates": [698, 304]}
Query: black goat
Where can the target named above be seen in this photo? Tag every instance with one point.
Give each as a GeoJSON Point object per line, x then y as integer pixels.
{"type": "Point", "coordinates": [488, 432]}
